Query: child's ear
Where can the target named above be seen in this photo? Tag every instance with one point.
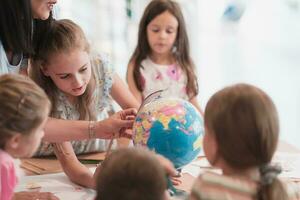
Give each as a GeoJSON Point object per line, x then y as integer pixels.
{"type": "Point", "coordinates": [44, 70]}
{"type": "Point", "coordinates": [217, 160]}
{"type": "Point", "coordinates": [215, 149]}
{"type": "Point", "coordinates": [210, 147]}
{"type": "Point", "coordinates": [13, 142]}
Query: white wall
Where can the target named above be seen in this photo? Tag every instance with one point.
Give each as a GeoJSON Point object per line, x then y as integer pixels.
{"type": "Point", "coordinates": [262, 48]}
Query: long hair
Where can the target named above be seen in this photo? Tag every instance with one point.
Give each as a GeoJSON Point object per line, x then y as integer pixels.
{"type": "Point", "coordinates": [62, 36]}
{"type": "Point", "coordinates": [16, 26]}
{"type": "Point", "coordinates": [39, 28]}
{"type": "Point", "coordinates": [24, 106]}
{"type": "Point", "coordinates": [182, 56]}
{"type": "Point", "coordinates": [245, 124]}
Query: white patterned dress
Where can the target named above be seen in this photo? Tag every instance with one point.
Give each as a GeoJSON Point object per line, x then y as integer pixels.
{"type": "Point", "coordinates": [104, 79]}
{"type": "Point", "coordinates": [169, 77]}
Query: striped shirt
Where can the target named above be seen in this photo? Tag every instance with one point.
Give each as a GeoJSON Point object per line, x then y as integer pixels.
{"type": "Point", "coordinates": [212, 186]}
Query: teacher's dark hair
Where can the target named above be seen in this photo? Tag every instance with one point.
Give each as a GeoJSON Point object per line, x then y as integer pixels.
{"type": "Point", "coordinates": [16, 26]}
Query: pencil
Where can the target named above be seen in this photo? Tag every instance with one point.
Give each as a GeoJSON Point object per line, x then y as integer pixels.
{"type": "Point", "coordinates": [108, 150]}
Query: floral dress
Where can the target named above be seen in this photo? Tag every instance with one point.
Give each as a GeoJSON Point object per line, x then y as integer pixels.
{"type": "Point", "coordinates": [103, 73]}
{"type": "Point", "coordinates": [171, 78]}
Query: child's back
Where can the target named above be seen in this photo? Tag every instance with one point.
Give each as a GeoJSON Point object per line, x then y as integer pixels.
{"type": "Point", "coordinates": [241, 136]}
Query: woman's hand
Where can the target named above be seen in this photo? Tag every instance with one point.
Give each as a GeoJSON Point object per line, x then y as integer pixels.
{"type": "Point", "coordinates": [34, 196]}
{"type": "Point", "coordinates": [117, 125]}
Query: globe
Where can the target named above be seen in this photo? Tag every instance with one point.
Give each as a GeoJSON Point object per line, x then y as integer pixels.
{"type": "Point", "coordinates": [171, 127]}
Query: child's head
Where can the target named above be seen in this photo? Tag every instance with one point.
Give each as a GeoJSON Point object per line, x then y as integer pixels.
{"type": "Point", "coordinates": [162, 31]}
{"type": "Point", "coordinates": [62, 63]}
{"type": "Point", "coordinates": [244, 123]}
{"type": "Point", "coordinates": [131, 174]}
{"type": "Point", "coordinates": [241, 130]}
{"type": "Point", "coordinates": [23, 113]}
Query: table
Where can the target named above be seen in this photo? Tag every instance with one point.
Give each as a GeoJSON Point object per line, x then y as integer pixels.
{"type": "Point", "coordinates": [59, 182]}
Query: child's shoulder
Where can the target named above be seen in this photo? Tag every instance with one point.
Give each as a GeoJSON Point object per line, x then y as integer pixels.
{"type": "Point", "coordinates": [99, 58]}
{"type": "Point", "coordinates": [101, 64]}
{"type": "Point", "coordinates": [214, 186]}
{"type": "Point", "coordinates": [292, 189]}
{"type": "Point", "coordinates": [5, 158]}
{"type": "Point", "coordinates": [9, 165]}
{"type": "Point", "coordinates": [149, 62]}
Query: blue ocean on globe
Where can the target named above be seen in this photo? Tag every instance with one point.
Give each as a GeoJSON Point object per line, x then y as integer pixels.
{"type": "Point", "coordinates": [171, 127]}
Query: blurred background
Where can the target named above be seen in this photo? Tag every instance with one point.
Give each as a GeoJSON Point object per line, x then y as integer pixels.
{"type": "Point", "coordinates": [252, 41]}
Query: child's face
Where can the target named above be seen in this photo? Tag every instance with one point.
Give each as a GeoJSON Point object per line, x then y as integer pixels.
{"type": "Point", "coordinates": [28, 144]}
{"type": "Point", "coordinates": [162, 32]}
{"type": "Point", "coordinates": [70, 72]}
{"type": "Point", "coordinates": [41, 8]}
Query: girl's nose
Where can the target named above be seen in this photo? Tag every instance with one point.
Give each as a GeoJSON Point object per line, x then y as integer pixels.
{"type": "Point", "coordinates": [163, 34]}
{"type": "Point", "coordinates": [77, 82]}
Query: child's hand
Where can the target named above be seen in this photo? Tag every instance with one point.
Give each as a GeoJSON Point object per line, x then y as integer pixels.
{"type": "Point", "coordinates": [34, 195]}
{"type": "Point", "coordinates": [116, 125]}
{"type": "Point", "coordinates": [175, 180]}
{"type": "Point", "coordinates": [170, 169]}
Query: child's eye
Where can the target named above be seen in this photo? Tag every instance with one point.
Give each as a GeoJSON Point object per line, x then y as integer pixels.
{"type": "Point", "coordinates": [64, 77]}
{"type": "Point", "coordinates": [83, 69]}
{"type": "Point", "coordinates": [170, 31]}
{"type": "Point", "coordinates": [155, 30]}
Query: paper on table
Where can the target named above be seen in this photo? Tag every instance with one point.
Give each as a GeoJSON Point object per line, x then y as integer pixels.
{"type": "Point", "coordinates": [201, 162]}
{"type": "Point", "coordinates": [192, 170]}
{"type": "Point", "coordinates": [58, 184]}
{"type": "Point", "coordinates": [199, 166]}
{"type": "Point", "coordinates": [290, 163]}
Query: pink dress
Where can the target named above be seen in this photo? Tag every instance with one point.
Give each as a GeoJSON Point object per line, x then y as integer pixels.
{"type": "Point", "coordinates": [8, 177]}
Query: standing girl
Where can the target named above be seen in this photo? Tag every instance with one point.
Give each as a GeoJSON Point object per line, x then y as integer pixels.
{"type": "Point", "coordinates": [80, 86]}
{"type": "Point", "coordinates": [161, 59]}
{"type": "Point", "coordinates": [23, 113]}
{"type": "Point", "coordinates": [241, 136]}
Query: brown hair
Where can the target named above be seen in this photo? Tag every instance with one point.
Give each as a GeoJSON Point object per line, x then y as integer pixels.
{"type": "Point", "coordinates": [244, 121]}
{"type": "Point", "coordinates": [62, 36]}
{"type": "Point", "coordinates": [131, 174]}
{"type": "Point", "coordinates": [182, 55]}
{"type": "Point", "coordinates": [24, 106]}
